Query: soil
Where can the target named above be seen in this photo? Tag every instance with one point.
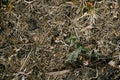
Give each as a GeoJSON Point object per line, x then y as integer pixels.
{"type": "Point", "coordinates": [59, 40]}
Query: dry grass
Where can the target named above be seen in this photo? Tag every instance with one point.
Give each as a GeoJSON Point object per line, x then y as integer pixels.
{"type": "Point", "coordinates": [34, 41]}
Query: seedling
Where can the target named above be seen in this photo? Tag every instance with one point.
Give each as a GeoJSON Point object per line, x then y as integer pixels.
{"type": "Point", "coordinates": [79, 49]}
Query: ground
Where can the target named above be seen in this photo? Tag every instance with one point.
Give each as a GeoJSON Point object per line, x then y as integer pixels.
{"type": "Point", "coordinates": [59, 40]}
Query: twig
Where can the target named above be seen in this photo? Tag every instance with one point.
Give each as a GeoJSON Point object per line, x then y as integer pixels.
{"type": "Point", "coordinates": [26, 60]}
{"type": "Point", "coordinates": [58, 72]}
{"type": "Point", "coordinates": [29, 2]}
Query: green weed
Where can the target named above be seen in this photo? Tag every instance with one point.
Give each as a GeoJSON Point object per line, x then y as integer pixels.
{"type": "Point", "coordinates": [79, 49]}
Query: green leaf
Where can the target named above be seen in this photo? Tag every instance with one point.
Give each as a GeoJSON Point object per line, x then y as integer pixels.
{"type": "Point", "coordinates": [73, 56]}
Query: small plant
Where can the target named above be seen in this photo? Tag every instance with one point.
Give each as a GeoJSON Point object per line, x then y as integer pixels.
{"type": "Point", "coordinates": [73, 42]}
{"type": "Point", "coordinates": [79, 49]}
